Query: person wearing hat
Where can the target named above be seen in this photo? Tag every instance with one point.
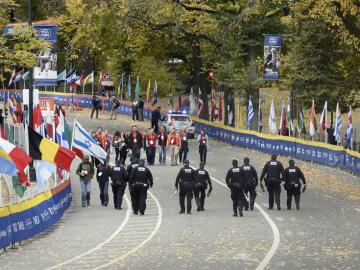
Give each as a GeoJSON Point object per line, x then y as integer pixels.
{"type": "Point", "coordinates": [292, 185]}
{"type": "Point", "coordinates": [235, 182]}
{"type": "Point", "coordinates": [85, 171]}
{"type": "Point", "coordinates": [202, 180]}
{"type": "Point", "coordinates": [140, 181]}
{"type": "Point", "coordinates": [273, 173]}
{"type": "Point", "coordinates": [185, 182]}
{"type": "Point", "coordinates": [115, 104]}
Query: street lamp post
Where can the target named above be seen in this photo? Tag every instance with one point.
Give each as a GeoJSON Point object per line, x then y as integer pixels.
{"type": "Point", "coordinates": [31, 71]}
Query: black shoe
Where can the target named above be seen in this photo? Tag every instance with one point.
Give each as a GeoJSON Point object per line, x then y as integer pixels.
{"type": "Point", "coordinates": [289, 208]}
{"type": "Point", "coordinates": [202, 209]}
{"type": "Point", "coordinates": [235, 215]}
{"type": "Point", "coordinates": [105, 204]}
{"type": "Point", "coordinates": [241, 214]}
{"type": "Point", "coordinates": [102, 204]}
{"type": "Point", "coordinates": [182, 212]}
{"type": "Point", "coordinates": [251, 208]}
{"type": "Point", "coordinates": [120, 208]}
{"type": "Point", "coordinates": [88, 202]}
{"type": "Point", "coordinates": [298, 207]}
{"type": "Point", "coordinates": [188, 212]}
{"type": "Point", "coordinates": [199, 209]}
{"type": "Point", "coordinates": [115, 207]}
{"type": "Point", "coordinates": [270, 208]}
{"type": "Point", "coordinates": [141, 214]}
{"type": "Point", "coordinates": [246, 209]}
{"type": "Point", "coordinates": [279, 208]}
{"type": "Point", "coordinates": [135, 212]}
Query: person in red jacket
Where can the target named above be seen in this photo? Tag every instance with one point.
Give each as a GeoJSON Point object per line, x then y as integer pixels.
{"type": "Point", "coordinates": [162, 140]}
{"type": "Point", "coordinates": [150, 146]}
{"type": "Point", "coordinates": [135, 142]}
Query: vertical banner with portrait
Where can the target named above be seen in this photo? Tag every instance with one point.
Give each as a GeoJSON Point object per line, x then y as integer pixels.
{"type": "Point", "coordinates": [45, 71]}
{"type": "Point", "coordinates": [272, 49]}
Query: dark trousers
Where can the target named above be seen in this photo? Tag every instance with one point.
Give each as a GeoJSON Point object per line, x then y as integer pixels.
{"type": "Point", "coordinates": [117, 153]}
{"type": "Point", "coordinates": [118, 192]}
{"type": "Point", "coordinates": [202, 152]}
{"type": "Point", "coordinates": [123, 156]}
{"type": "Point", "coordinates": [293, 192]}
{"type": "Point", "coordinates": [188, 193]}
{"type": "Point", "coordinates": [133, 198]}
{"type": "Point", "coordinates": [155, 126]}
{"type": "Point", "coordinates": [274, 190]}
{"type": "Point", "coordinates": [104, 194]}
{"type": "Point", "coordinates": [92, 112]}
{"type": "Point", "coordinates": [150, 155]}
{"type": "Point", "coordinates": [199, 194]}
{"type": "Point", "coordinates": [136, 153]}
{"type": "Point", "coordinates": [183, 154]}
{"type": "Point", "coordinates": [250, 192]}
{"type": "Point", "coordinates": [237, 196]}
{"type": "Point", "coordinates": [135, 115]}
{"type": "Point", "coordinates": [140, 195]}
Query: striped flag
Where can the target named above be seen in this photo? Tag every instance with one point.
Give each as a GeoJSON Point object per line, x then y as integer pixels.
{"type": "Point", "coordinates": [12, 77]}
{"type": "Point", "coordinates": [148, 91]}
{"type": "Point", "coordinates": [283, 122]}
{"type": "Point", "coordinates": [71, 77]}
{"type": "Point", "coordinates": [250, 114]}
{"type": "Point", "coordinates": [89, 78]}
{"type": "Point", "coordinates": [312, 129]}
{"type": "Point", "coordinates": [300, 122]}
{"type": "Point", "coordinates": [201, 103]}
{"type": "Point", "coordinates": [323, 118]}
{"type": "Point", "coordinates": [349, 130]}
{"type": "Point", "coordinates": [338, 124]}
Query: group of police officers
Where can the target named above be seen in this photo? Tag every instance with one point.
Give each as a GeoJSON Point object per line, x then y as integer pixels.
{"type": "Point", "coordinates": [241, 180]}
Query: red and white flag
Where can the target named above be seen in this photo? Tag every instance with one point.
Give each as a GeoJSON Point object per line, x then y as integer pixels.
{"type": "Point", "coordinates": [201, 103]}
{"type": "Point", "coordinates": [323, 119]}
{"type": "Point", "coordinates": [312, 129]}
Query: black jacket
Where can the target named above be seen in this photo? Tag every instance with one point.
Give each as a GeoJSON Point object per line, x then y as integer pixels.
{"type": "Point", "coordinates": [141, 174]}
{"type": "Point", "coordinates": [250, 175]}
{"type": "Point", "coordinates": [274, 172]}
{"type": "Point", "coordinates": [155, 115]}
{"type": "Point", "coordinates": [235, 178]}
{"type": "Point", "coordinates": [102, 174]}
{"type": "Point", "coordinates": [202, 178]}
{"type": "Point", "coordinates": [292, 176]}
{"type": "Point", "coordinates": [131, 140]}
{"type": "Point", "coordinates": [186, 174]}
{"type": "Point", "coordinates": [118, 175]}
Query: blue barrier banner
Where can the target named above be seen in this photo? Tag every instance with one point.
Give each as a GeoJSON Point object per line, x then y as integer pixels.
{"type": "Point", "coordinates": [23, 224]}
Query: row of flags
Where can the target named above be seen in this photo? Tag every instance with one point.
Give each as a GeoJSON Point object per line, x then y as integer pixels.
{"type": "Point", "coordinates": [286, 125]}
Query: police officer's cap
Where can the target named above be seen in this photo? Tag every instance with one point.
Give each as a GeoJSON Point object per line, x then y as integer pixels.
{"type": "Point", "coordinates": [186, 162]}
{"type": "Point", "coordinates": [141, 162]}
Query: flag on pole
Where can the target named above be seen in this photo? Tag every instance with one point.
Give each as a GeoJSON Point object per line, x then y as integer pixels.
{"type": "Point", "coordinates": [61, 76]}
{"type": "Point", "coordinates": [44, 170]}
{"type": "Point", "coordinates": [148, 91]}
{"type": "Point", "coordinates": [213, 105]}
{"type": "Point", "coordinates": [338, 124]}
{"type": "Point", "coordinates": [25, 76]}
{"type": "Point", "coordinates": [283, 122]}
{"type": "Point", "coordinates": [272, 119]}
{"type": "Point", "coordinates": [323, 119]}
{"type": "Point", "coordinates": [129, 88]}
{"type": "Point", "coordinates": [260, 115]}
{"type": "Point", "coordinates": [37, 117]}
{"type": "Point", "coordinates": [121, 84]}
{"type": "Point", "coordinates": [137, 89]}
{"type": "Point", "coordinates": [71, 77]}
{"type": "Point", "coordinates": [19, 75]}
{"type": "Point", "coordinates": [230, 109]}
{"type": "Point", "coordinates": [63, 132]}
{"type": "Point", "coordinates": [41, 148]}
{"type": "Point", "coordinates": [12, 109]}
{"type": "Point", "coordinates": [89, 78]}
{"type": "Point", "coordinates": [15, 154]}
{"type": "Point", "coordinates": [201, 103]}
{"type": "Point", "coordinates": [83, 141]}
{"type": "Point", "coordinates": [155, 93]}
{"type": "Point", "coordinates": [313, 127]}
{"type": "Point", "coordinates": [300, 121]}
{"type": "Point", "coordinates": [191, 101]}
{"type": "Point", "coordinates": [220, 108]}
{"type": "Point", "coordinates": [349, 130]}
{"type": "Point", "coordinates": [12, 77]}
{"type": "Point", "coordinates": [49, 123]}
{"type": "Point", "coordinates": [101, 77]}
{"type": "Point", "coordinates": [250, 113]}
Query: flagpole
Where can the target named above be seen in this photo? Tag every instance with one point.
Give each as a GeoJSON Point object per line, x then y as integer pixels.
{"type": "Point", "coordinates": [83, 88]}
{"type": "Point", "coordinates": [92, 89]}
{"type": "Point", "coordinates": [65, 85]}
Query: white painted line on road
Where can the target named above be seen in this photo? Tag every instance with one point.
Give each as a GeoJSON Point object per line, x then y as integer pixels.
{"type": "Point", "coordinates": [128, 211]}
{"type": "Point", "coordinates": [328, 196]}
{"type": "Point", "coordinates": [156, 229]}
{"type": "Point", "coordinates": [357, 209]}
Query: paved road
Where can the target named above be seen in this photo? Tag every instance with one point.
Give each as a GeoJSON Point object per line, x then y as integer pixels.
{"type": "Point", "coordinates": [324, 234]}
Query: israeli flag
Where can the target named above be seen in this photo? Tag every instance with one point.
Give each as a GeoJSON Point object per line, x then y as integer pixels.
{"type": "Point", "coordinates": [71, 77]}
{"type": "Point", "coordinates": [250, 115]}
{"type": "Point", "coordinates": [83, 141]}
{"type": "Point", "coordinates": [338, 124]}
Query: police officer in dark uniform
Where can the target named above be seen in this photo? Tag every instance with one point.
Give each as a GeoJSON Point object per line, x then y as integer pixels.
{"type": "Point", "coordinates": [202, 179]}
{"type": "Point", "coordinates": [185, 180]}
{"type": "Point", "coordinates": [119, 178]}
{"type": "Point", "coordinates": [140, 180]}
{"type": "Point", "coordinates": [274, 172]}
{"type": "Point", "coordinates": [251, 182]}
{"type": "Point", "coordinates": [102, 177]}
{"type": "Point", "coordinates": [292, 185]}
{"type": "Point", "coordinates": [235, 181]}
{"type": "Point", "coordinates": [129, 168]}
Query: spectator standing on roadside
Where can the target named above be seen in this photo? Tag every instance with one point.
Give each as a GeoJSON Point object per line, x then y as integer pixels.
{"type": "Point", "coordinates": [140, 108]}
{"type": "Point", "coordinates": [150, 146]}
{"type": "Point", "coordinates": [173, 143]}
{"type": "Point", "coordinates": [115, 104]}
{"type": "Point", "coordinates": [162, 140]}
{"type": "Point", "coordinates": [96, 103]}
{"type": "Point", "coordinates": [155, 117]}
{"type": "Point", "coordinates": [135, 142]}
